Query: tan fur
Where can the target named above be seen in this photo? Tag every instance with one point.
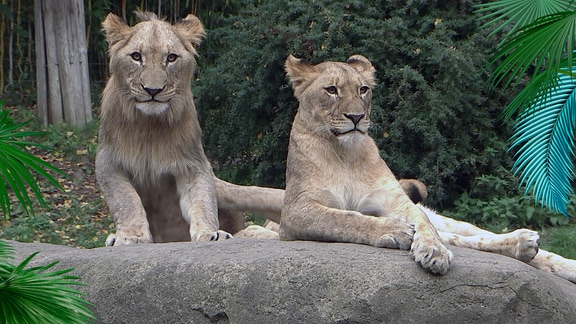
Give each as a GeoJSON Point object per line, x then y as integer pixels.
{"type": "Point", "coordinates": [339, 189]}
{"type": "Point", "coordinates": [337, 186]}
{"type": "Point", "coordinates": [522, 244]}
{"type": "Point", "coordinates": [150, 164]}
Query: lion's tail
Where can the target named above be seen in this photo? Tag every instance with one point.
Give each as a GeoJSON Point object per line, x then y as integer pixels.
{"type": "Point", "coordinates": [266, 202]}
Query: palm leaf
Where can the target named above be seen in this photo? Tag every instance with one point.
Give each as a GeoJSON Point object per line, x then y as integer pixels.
{"type": "Point", "coordinates": [34, 295]}
{"type": "Point", "coordinates": [529, 94]}
{"type": "Point", "coordinates": [18, 168]}
{"type": "Point", "coordinates": [540, 45]}
{"type": "Point", "coordinates": [533, 90]}
{"type": "Point", "coordinates": [6, 252]}
{"type": "Point", "coordinates": [15, 167]}
{"type": "Point", "coordinates": [541, 39]}
{"type": "Point", "coordinates": [545, 134]}
{"type": "Point", "coordinates": [518, 13]}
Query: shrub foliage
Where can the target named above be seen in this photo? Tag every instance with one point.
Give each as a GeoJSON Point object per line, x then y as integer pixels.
{"type": "Point", "coordinates": [433, 119]}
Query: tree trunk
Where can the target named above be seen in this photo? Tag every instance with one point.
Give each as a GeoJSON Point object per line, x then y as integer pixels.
{"type": "Point", "coordinates": [62, 62]}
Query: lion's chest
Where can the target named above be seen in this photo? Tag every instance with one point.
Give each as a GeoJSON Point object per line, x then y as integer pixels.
{"type": "Point", "coordinates": [337, 176]}
{"type": "Point", "coordinates": [148, 152]}
{"type": "Point", "coordinates": [350, 188]}
{"type": "Point", "coordinates": [144, 164]}
{"type": "Point", "coordinates": [148, 162]}
{"type": "Point", "coordinates": [348, 196]}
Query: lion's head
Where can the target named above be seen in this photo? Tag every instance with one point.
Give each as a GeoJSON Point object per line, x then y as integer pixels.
{"type": "Point", "coordinates": [152, 63]}
{"type": "Point", "coordinates": [334, 97]}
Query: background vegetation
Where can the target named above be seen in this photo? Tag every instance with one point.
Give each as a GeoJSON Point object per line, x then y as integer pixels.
{"type": "Point", "coordinates": [434, 118]}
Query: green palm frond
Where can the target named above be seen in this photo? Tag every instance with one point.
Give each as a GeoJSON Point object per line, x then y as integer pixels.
{"type": "Point", "coordinates": [18, 168]}
{"type": "Point", "coordinates": [532, 92]}
{"type": "Point", "coordinates": [518, 13]}
{"type": "Point", "coordinates": [34, 295]}
{"type": "Point", "coordinates": [541, 45]}
{"type": "Point", "coordinates": [545, 134]}
{"type": "Point", "coordinates": [6, 252]}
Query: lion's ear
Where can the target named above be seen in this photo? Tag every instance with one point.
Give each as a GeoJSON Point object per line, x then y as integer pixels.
{"type": "Point", "coordinates": [299, 71]}
{"type": "Point", "coordinates": [115, 29]}
{"type": "Point", "coordinates": [191, 29]}
{"type": "Point", "coordinates": [363, 65]}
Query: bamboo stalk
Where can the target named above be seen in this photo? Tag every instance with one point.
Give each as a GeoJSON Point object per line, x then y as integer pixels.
{"type": "Point", "coordinates": [10, 54]}
{"type": "Point", "coordinates": [29, 52]}
{"type": "Point", "coordinates": [19, 46]}
{"type": "Point", "coordinates": [123, 8]}
{"type": "Point", "coordinates": [89, 27]}
{"type": "Point", "coordinates": [41, 66]}
{"type": "Point", "coordinates": [2, 27]}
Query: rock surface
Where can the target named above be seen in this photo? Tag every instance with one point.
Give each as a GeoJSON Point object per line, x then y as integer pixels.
{"type": "Point", "coordinates": [261, 281]}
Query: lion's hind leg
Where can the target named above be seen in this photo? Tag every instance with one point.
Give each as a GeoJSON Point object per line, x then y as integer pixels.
{"type": "Point", "coordinates": [555, 264]}
{"type": "Point", "coordinates": [522, 244]}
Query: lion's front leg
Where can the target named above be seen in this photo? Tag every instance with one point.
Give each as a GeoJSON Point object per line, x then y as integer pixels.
{"type": "Point", "coordinates": [199, 207]}
{"type": "Point", "coordinates": [309, 220]}
{"type": "Point", "coordinates": [427, 247]}
{"type": "Point", "coordinates": [125, 206]}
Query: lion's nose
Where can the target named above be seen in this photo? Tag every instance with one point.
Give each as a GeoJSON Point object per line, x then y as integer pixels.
{"type": "Point", "coordinates": [152, 91]}
{"type": "Point", "coordinates": [355, 118]}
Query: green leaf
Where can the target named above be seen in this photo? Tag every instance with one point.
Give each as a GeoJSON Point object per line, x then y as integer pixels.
{"type": "Point", "coordinates": [530, 93]}
{"type": "Point", "coordinates": [12, 173]}
{"type": "Point", "coordinates": [18, 167]}
{"type": "Point", "coordinates": [35, 295]}
{"type": "Point", "coordinates": [6, 252]}
{"type": "Point", "coordinates": [543, 44]}
{"type": "Point", "coordinates": [518, 13]}
{"type": "Point", "coordinates": [544, 133]}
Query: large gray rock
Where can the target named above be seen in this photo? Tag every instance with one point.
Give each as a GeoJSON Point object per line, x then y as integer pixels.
{"type": "Point", "coordinates": [258, 281]}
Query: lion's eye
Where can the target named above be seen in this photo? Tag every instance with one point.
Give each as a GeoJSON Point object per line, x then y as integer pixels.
{"type": "Point", "coordinates": [364, 89]}
{"type": "Point", "coordinates": [331, 90]}
{"type": "Point", "coordinates": [136, 56]}
{"type": "Point", "coordinates": [171, 58]}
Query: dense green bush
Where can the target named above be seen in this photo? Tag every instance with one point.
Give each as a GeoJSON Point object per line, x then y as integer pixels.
{"type": "Point", "coordinates": [498, 204]}
{"type": "Point", "coordinates": [433, 119]}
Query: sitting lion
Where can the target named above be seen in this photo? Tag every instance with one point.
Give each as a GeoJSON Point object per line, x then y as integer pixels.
{"type": "Point", "coordinates": [339, 189]}
{"type": "Point", "coordinates": [150, 164]}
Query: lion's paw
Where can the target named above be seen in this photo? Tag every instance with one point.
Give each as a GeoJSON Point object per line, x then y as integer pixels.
{"type": "Point", "coordinates": [398, 234]}
{"type": "Point", "coordinates": [528, 244]}
{"type": "Point", "coordinates": [119, 239]}
{"type": "Point", "coordinates": [401, 240]}
{"type": "Point", "coordinates": [432, 255]}
{"type": "Point", "coordinates": [212, 236]}
{"type": "Point", "coordinates": [258, 232]}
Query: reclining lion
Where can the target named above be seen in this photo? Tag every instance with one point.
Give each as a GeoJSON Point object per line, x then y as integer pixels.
{"type": "Point", "coordinates": [339, 189]}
